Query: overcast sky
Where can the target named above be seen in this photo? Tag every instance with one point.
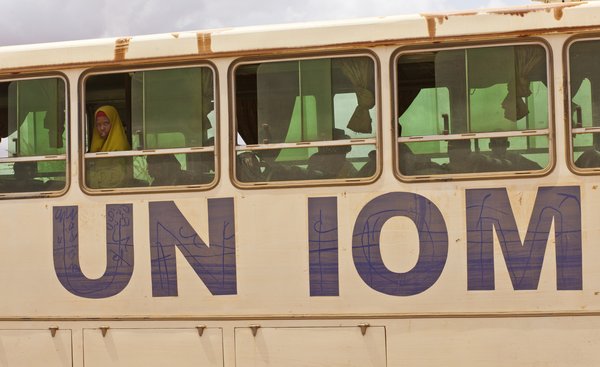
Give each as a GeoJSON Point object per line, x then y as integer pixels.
{"type": "Point", "coordinates": [35, 21]}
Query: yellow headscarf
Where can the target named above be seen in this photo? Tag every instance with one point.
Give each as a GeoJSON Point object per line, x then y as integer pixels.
{"type": "Point", "coordinates": [116, 139]}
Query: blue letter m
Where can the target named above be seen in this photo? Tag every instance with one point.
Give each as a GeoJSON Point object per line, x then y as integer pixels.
{"type": "Point", "coordinates": [489, 209]}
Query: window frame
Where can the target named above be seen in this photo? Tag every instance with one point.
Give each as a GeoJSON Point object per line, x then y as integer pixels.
{"type": "Point", "coordinates": [570, 131]}
{"type": "Point", "coordinates": [45, 158]}
{"type": "Point", "coordinates": [549, 131]}
{"type": "Point", "coordinates": [233, 124]}
{"type": "Point", "coordinates": [83, 131]}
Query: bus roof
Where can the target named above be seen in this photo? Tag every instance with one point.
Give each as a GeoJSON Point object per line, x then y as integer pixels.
{"type": "Point", "coordinates": [408, 29]}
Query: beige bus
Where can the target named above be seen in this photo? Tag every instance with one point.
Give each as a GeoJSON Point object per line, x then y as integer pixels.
{"type": "Point", "coordinates": [398, 191]}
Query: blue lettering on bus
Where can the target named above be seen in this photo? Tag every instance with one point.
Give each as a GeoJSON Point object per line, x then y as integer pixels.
{"type": "Point", "coordinates": [323, 246]}
{"type": "Point", "coordinates": [119, 252]}
{"type": "Point", "coordinates": [214, 264]}
{"type": "Point", "coordinates": [433, 243]}
{"type": "Point", "coordinates": [489, 209]}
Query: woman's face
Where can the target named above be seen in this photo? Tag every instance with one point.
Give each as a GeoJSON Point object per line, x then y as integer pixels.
{"type": "Point", "coordinates": [103, 126]}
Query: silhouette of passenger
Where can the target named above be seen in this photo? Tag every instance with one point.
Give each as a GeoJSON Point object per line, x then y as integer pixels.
{"type": "Point", "coordinates": [25, 174]}
{"type": "Point", "coordinates": [165, 170]}
{"type": "Point", "coordinates": [499, 150]}
{"type": "Point", "coordinates": [588, 159]}
{"type": "Point", "coordinates": [330, 161]}
{"type": "Point", "coordinates": [462, 160]}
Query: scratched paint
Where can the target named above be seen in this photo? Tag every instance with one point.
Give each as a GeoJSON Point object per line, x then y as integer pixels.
{"type": "Point", "coordinates": [490, 209]}
{"type": "Point", "coordinates": [214, 264]}
{"type": "Point", "coordinates": [557, 9]}
{"type": "Point", "coordinates": [119, 252]}
{"type": "Point", "coordinates": [432, 21]}
{"type": "Point", "coordinates": [204, 42]}
{"type": "Point", "coordinates": [323, 246]}
{"type": "Point", "coordinates": [121, 48]}
{"type": "Point", "coordinates": [433, 243]}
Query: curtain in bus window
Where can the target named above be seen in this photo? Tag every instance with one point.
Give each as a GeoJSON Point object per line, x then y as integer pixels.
{"type": "Point", "coordinates": [358, 71]}
{"type": "Point", "coordinates": [527, 59]}
{"type": "Point", "coordinates": [294, 105]}
{"type": "Point", "coordinates": [450, 73]}
{"type": "Point", "coordinates": [170, 107]}
{"type": "Point", "coordinates": [414, 74]}
{"type": "Point", "coordinates": [245, 104]}
{"type": "Point", "coordinates": [507, 90]}
{"type": "Point", "coordinates": [492, 100]}
{"type": "Point", "coordinates": [287, 97]}
{"type": "Point", "coordinates": [207, 100]}
{"type": "Point", "coordinates": [36, 117]}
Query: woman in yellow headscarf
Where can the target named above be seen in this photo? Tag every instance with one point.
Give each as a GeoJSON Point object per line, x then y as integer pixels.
{"type": "Point", "coordinates": [108, 136]}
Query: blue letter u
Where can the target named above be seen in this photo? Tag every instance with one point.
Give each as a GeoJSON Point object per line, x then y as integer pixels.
{"type": "Point", "coordinates": [119, 252]}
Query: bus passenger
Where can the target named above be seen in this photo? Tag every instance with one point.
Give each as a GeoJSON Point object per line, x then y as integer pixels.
{"type": "Point", "coordinates": [499, 150]}
{"type": "Point", "coordinates": [415, 164]}
{"type": "Point", "coordinates": [249, 168]}
{"type": "Point", "coordinates": [331, 162]}
{"type": "Point", "coordinates": [369, 168]}
{"type": "Point", "coordinates": [25, 178]}
{"type": "Point", "coordinates": [588, 159]}
{"type": "Point", "coordinates": [165, 170]}
{"type": "Point", "coordinates": [462, 160]}
{"type": "Point", "coordinates": [108, 134]}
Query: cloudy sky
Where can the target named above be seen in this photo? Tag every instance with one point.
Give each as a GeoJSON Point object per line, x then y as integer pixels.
{"type": "Point", "coordinates": [35, 21]}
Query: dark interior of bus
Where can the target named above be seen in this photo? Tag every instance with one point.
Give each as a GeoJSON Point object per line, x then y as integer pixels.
{"type": "Point", "coordinates": [32, 128]}
{"type": "Point", "coordinates": [159, 110]}
{"type": "Point", "coordinates": [304, 101]}
{"type": "Point", "coordinates": [452, 104]}
{"type": "Point", "coordinates": [496, 90]}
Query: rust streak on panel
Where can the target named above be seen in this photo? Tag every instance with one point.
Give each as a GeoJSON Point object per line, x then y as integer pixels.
{"type": "Point", "coordinates": [345, 46]}
{"type": "Point", "coordinates": [556, 8]}
{"type": "Point", "coordinates": [431, 22]}
{"type": "Point", "coordinates": [520, 12]}
{"type": "Point", "coordinates": [204, 42]}
{"type": "Point", "coordinates": [431, 27]}
{"type": "Point", "coordinates": [558, 13]}
{"type": "Point", "coordinates": [121, 47]}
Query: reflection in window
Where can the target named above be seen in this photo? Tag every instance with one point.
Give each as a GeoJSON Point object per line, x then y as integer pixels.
{"type": "Point", "coordinates": [472, 110]}
{"type": "Point", "coordinates": [33, 138]}
{"type": "Point", "coordinates": [167, 118]}
{"type": "Point", "coordinates": [584, 78]}
{"type": "Point", "coordinates": [305, 120]}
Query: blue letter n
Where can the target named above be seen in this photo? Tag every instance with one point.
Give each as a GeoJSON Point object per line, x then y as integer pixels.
{"type": "Point", "coordinates": [214, 264]}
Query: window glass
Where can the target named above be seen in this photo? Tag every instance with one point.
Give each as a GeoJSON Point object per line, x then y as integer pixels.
{"type": "Point", "coordinates": [160, 128]}
{"type": "Point", "coordinates": [473, 110]}
{"type": "Point", "coordinates": [584, 79]}
{"type": "Point", "coordinates": [33, 137]}
{"type": "Point", "coordinates": [305, 120]}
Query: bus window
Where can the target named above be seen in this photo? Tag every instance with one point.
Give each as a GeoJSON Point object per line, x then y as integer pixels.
{"type": "Point", "coordinates": [584, 80]}
{"type": "Point", "coordinates": [165, 137]}
{"type": "Point", "coordinates": [472, 111]}
{"type": "Point", "coordinates": [32, 136]}
{"type": "Point", "coordinates": [305, 120]}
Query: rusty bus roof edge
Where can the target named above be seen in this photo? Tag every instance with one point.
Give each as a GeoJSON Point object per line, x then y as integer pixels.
{"type": "Point", "coordinates": [536, 19]}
